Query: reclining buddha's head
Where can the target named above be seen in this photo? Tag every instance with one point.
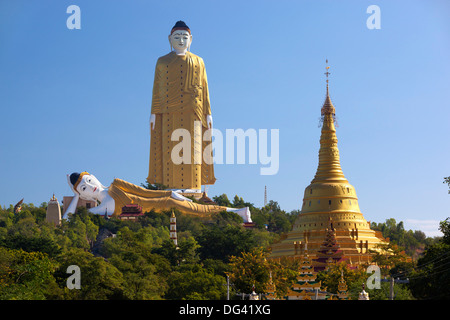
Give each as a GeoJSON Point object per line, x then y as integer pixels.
{"type": "Point", "coordinates": [87, 185]}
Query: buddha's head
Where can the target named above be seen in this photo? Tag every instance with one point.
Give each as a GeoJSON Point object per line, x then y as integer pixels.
{"type": "Point", "coordinates": [87, 185]}
{"type": "Point", "coordinates": [180, 37]}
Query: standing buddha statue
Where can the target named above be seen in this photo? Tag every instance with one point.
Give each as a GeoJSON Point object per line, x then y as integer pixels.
{"type": "Point", "coordinates": [180, 101]}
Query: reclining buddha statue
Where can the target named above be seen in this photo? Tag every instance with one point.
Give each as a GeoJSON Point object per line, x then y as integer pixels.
{"type": "Point", "coordinates": [121, 193]}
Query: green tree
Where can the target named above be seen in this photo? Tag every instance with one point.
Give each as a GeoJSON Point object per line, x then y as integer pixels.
{"type": "Point", "coordinates": [156, 186]}
{"type": "Point", "coordinates": [140, 278]}
{"type": "Point", "coordinates": [76, 232]}
{"type": "Point", "coordinates": [192, 282]}
{"type": "Point", "coordinates": [330, 278]}
{"type": "Point", "coordinates": [216, 266]}
{"type": "Point", "coordinates": [26, 275]}
{"type": "Point", "coordinates": [444, 227]}
{"type": "Point", "coordinates": [222, 200]}
{"type": "Point", "coordinates": [272, 218]}
{"type": "Point", "coordinates": [222, 242]}
{"type": "Point", "coordinates": [413, 242]}
{"type": "Point", "coordinates": [225, 218]}
{"type": "Point", "coordinates": [447, 181]}
{"type": "Point", "coordinates": [40, 244]}
{"type": "Point", "coordinates": [100, 280]}
{"type": "Point", "coordinates": [131, 253]}
{"type": "Point", "coordinates": [388, 256]}
{"type": "Point", "coordinates": [401, 291]}
{"type": "Point", "coordinates": [155, 219]}
{"type": "Point", "coordinates": [238, 202]}
{"type": "Point", "coordinates": [187, 251]}
{"type": "Point", "coordinates": [431, 277]}
{"type": "Point", "coordinates": [253, 268]}
{"type": "Point", "coordinates": [168, 250]}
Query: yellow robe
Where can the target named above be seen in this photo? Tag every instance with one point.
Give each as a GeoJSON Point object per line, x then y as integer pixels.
{"type": "Point", "coordinates": [180, 97]}
{"type": "Point", "coordinates": [125, 193]}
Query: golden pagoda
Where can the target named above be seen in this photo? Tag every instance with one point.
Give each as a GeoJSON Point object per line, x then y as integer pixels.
{"type": "Point", "coordinates": [271, 290]}
{"type": "Point", "coordinates": [342, 289]}
{"type": "Point", "coordinates": [330, 214]}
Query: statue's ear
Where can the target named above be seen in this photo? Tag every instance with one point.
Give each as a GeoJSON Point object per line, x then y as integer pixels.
{"type": "Point", "coordinates": [190, 42]}
{"type": "Point", "coordinates": [170, 41]}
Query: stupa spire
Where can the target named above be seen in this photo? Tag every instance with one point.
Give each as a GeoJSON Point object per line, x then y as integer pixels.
{"type": "Point", "coordinates": [328, 107]}
{"type": "Point", "coordinates": [329, 169]}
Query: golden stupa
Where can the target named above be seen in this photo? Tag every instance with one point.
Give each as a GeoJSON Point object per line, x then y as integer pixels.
{"type": "Point", "coordinates": [330, 223]}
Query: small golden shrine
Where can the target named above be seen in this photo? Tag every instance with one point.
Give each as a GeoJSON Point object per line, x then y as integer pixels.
{"type": "Point", "coordinates": [270, 290]}
{"type": "Point", "coordinates": [342, 289]}
{"type": "Point", "coordinates": [306, 287]}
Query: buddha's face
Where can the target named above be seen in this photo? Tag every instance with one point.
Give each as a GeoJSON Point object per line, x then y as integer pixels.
{"type": "Point", "coordinates": [180, 40]}
{"type": "Point", "coordinates": [89, 187]}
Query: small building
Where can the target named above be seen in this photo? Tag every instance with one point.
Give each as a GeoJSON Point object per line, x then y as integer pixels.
{"type": "Point", "coordinates": [253, 295]}
{"type": "Point", "coordinates": [363, 295]}
{"type": "Point", "coordinates": [53, 214]}
{"type": "Point", "coordinates": [342, 289]}
{"type": "Point", "coordinates": [81, 203]}
{"type": "Point", "coordinates": [131, 212]}
{"type": "Point", "coordinates": [249, 225]}
{"type": "Point", "coordinates": [206, 200]}
{"type": "Point", "coordinates": [271, 290]}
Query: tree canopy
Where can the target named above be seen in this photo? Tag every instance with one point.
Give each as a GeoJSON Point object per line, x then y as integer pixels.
{"type": "Point", "coordinates": [138, 260]}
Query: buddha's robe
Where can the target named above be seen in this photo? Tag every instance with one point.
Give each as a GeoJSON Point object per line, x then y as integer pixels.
{"type": "Point", "coordinates": [125, 193]}
{"type": "Point", "coordinates": [180, 97]}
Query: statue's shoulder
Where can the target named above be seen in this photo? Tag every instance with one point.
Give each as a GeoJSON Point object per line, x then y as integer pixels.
{"type": "Point", "coordinates": [193, 55]}
{"type": "Point", "coordinates": [196, 57]}
{"type": "Point", "coordinates": [166, 58]}
{"type": "Point", "coordinates": [114, 184]}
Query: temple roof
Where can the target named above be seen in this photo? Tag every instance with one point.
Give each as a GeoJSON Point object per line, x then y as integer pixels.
{"type": "Point", "coordinates": [205, 199]}
{"type": "Point", "coordinates": [132, 210]}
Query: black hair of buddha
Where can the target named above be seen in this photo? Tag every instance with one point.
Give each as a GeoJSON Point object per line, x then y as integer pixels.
{"type": "Point", "coordinates": [74, 177]}
{"type": "Point", "coordinates": [180, 24]}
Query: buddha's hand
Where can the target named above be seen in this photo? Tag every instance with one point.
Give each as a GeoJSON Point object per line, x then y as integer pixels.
{"type": "Point", "coordinates": [71, 186]}
{"type": "Point", "coordinates": [72, 207]}
{"type": "Point", "coordinates": [152, 121]}
{"type": "Point", "coordinates": [209, 121]}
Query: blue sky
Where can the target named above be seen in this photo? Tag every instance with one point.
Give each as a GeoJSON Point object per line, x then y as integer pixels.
{"type": "Point", "coordinates": [79, 100]}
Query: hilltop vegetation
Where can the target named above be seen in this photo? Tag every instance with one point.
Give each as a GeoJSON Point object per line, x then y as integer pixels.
{"type": "Point", "coordinates": [127, 260]}
{"type": "Point", "coordinates": [137, 260]}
